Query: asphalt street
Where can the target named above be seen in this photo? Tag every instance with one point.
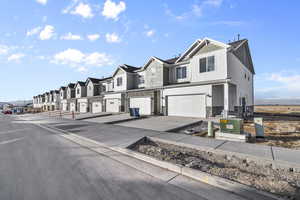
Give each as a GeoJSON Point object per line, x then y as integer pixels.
{"type": "Point", "coordinates": [36, 164]}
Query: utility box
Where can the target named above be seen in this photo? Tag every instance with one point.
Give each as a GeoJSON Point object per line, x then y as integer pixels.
{"type": "Point", "coordinates": [233, 126]}
{"type": "Point", "coordinates": [259, 127]}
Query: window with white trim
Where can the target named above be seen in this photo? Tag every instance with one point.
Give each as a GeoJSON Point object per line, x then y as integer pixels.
{"type": "Point", "coordinates": [119, 81]}
{"type": "Point", "coordinates": [141, 79]}
{"type": "Point", "coordinates": [207, 64]}
{"type": "Point", "coordinates": [181, 72]}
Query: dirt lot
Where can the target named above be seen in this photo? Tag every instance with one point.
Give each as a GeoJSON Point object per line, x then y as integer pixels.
{"type": "Point", "coordinates": [281, 126]}
{"type": "Point", "coordinates": [242, 170]}
{"type": "Point", "coordinates": [282, 109]}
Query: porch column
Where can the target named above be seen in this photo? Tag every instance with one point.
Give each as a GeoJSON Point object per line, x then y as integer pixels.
{"type": "Point", "coordinates": [226, 99]}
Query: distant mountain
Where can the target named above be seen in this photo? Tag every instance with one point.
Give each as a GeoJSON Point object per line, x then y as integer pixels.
{"type": "Point", "coordinates": [16, 103]}
{"type": "Point", "coordinates": [21, 103]}
{"type": "Point", "coordinates": [277, 101]}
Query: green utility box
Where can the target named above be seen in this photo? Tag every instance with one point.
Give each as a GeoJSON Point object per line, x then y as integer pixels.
{"type": "Point", "coordinates": [233, 126]}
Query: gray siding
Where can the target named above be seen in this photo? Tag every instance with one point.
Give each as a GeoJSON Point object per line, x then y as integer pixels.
{"type": "Point", "coordinates": [154, 75]}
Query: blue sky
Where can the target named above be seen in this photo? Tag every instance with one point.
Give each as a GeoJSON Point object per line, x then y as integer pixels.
{"type": "Point", "coordinates": [45, 44]}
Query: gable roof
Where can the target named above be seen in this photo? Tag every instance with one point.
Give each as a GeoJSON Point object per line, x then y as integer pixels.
{"type": "Point", "coordinates": [129, 68]}
{"type": "Point", "coordinates": [171, 60]}
{"type": "Point", "coordinates": [62, 88]}
{"type": "Point", "coordinates": [80, 83]}
{"type": "Point", "coordinates": [93, 80]}
{"type": "Point", "coordinates": [126, 68]}
{"type": "Point", "coordinates": [71, 85]}
{"type": "Point", "coordinates": [241, 50]}
{"type": "Point", "coordinates": [199, 44]}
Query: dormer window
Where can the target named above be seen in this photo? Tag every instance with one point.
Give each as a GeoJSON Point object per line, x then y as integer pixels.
{"type": "Point", "coordinates": [181, 72]}
{"type": "Point", "coordinates": [207, 64]}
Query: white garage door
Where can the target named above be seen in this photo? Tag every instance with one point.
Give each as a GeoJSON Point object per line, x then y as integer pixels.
{"type": "Point", "coordinates": [187, 106]}
{"type": "Point", "coordinates": [143, 103]}
{"type": "Point", "coordinates": [64, 107]}
{"type": "Point", "coordinates": [97, 107]}
{"type": "Point", "coordinates": [72, 107]}
{"type": "Point", "coordinates": [113, 105]}
{"type": "Point", "coordinates": [83, 107]}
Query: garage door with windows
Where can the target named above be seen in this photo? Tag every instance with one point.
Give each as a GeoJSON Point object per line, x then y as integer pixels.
{"type": "Point", "coordinates": [187, 105]}
{"type": "Point", "coordinates": [83, 107]}
{"type": "Point", "coordinates": [96, 107]}
{"type": "Point", "coordinates": [72, 107]}
{"type": "Point", "coordinates": [143, 103]}
{"type": "Point", "coordinates": [64, 106]}
{"type": "Point", "coordinates": [113, 105]}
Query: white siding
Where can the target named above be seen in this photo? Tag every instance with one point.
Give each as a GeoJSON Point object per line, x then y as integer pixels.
{"type": "Point", "coordinates": [90, 89]}
{"type": "Point", "coordinates": [236, 72]}
{"type": "Point", "coordinates": [123, 75]}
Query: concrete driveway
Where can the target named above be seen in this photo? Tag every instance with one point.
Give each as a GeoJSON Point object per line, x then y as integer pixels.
{"type": "Point", "coordinates": [161, 123]}
{"type": "Point", "coordinates": [111, 119]}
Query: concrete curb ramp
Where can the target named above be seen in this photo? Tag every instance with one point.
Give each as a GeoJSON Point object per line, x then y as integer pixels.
{"type": "Point", "coordinates": [234, 187]}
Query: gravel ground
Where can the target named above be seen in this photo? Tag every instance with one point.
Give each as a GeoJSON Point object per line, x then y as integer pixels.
{"type": "Point", "coordinates": [263, 177]}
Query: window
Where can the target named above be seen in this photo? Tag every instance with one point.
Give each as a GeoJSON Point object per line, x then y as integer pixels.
{"type": "Point", "coordinates": [119, 81]}
{"type": "Point", "coordinates": [90, 88]}
{"type": "Point", "coordinates": [78, 91]}
{"type": "Point", "coordinates": [207, 64]}
{"type": "Point", "coordinates": [180, 72]}
{"type": "Point", "coordinates": [141, 79]}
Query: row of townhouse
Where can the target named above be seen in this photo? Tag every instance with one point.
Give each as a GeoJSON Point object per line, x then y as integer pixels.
{"type": "Point", "coordinates": [209, 78]}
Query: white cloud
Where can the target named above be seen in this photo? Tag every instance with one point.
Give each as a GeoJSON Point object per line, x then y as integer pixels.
{"type": "Point", "coordinates": [34, 31]}
{"type": "Point", "coordinates": [84, 10]}
{"type": "Point", "coordinates": [47, 33]}
{"type": "Point", "coordinates": [44, 19]}
{"type": "Point", "coordinates": [81, 61]}
{"type": "Point", "coordinates": [215, 3]}
{"type": "Point", "coordinates": [278, 84]}
{"type": "Point", "coordinates": [112, 38]}
{"type": "Point", "coordinates": [82, 69]}
{"type": "Point", "coordinates": [98, 59]}
{"type": "Point", "coordinates": [228, 23]}
{"type": "Point", "coordinates": [15, 57]}
{"type": "Point", "coordinates": [4, 49]}
{"type": "Point", "coordinates": [70, 36]}
{"type": "Point", "coordinates": [112, 10]}
{"type": "Point", "coordinates": [196, 10]}
{"type": "Point", "coordinates": [43, 2]}
{"type": "Point", "coordinates": [93, 37]}
{"type": "Point", "coordinates": [150, 33]}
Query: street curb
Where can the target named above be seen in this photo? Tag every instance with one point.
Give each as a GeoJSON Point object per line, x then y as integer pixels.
{"type": "Point", "coordinates": [124, 120]}
{"type": "Point", "coordinates": [219, 182]}
{"type": "Point", "coordinates": [182, 127]}
{"type": "Point", "coordinates": [92, 117]}
{"type": "Point", "coordinates": [275, 163]}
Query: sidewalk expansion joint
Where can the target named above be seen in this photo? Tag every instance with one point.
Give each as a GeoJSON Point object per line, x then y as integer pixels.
{"type": "Point", "coordinates": [273, 157]}
{"type": "Point", "coordinates": [172, 178]}
{"type": "Point", "coordinates": [220, 145]}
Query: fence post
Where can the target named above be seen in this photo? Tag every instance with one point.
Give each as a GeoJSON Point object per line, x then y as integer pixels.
{"type": "Point", "coordinates": [73, 115]}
